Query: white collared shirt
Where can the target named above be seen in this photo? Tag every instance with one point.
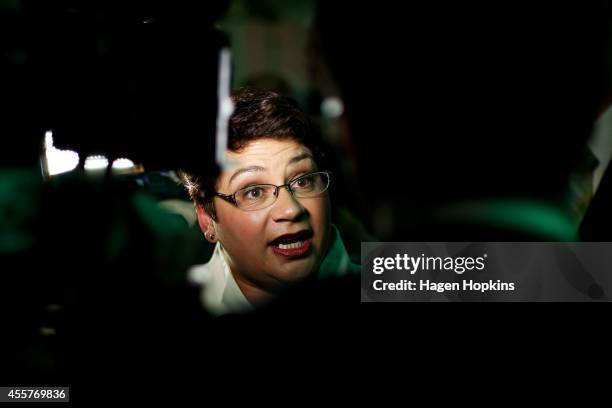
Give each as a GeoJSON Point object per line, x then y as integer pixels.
{"type": "Point", "coordinates": [220, 293]}
{"type": "Point", "coordinates": [600, 144]}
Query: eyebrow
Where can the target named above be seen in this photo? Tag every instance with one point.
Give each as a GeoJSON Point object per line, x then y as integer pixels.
{"type": "Point", "coordinates": [250, 169]}
{"type": "Point", "coordinates": [246, 170]}
{"type": "Point", "coordinates": [300, 157]}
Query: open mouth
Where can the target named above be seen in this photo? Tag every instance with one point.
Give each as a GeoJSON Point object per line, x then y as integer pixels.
{"type": "Point", "coordinates": [292, 245]}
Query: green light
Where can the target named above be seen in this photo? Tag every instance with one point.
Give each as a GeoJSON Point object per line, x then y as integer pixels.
{"type": "Point", "coordinates": [521, 215]}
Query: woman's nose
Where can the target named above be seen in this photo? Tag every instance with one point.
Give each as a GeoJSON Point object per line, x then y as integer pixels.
{"type": "Point", "coordinates": [287, 207]}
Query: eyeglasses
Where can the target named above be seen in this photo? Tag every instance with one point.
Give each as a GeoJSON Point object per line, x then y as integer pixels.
{"type": "Point", "coordinates": [260, 196]}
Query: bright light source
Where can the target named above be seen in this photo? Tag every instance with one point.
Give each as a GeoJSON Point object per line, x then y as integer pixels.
{"type": "Point", "coordinates": [58, 161]}
{"type": "Point", "coordinates": [96, 163]}
{"type": "Point", "coordinates": [122, 164]}
{"type": "Point", "coordinates": [226, 106]}
{"type": "Point", "coordinates": [332, 107]}
{"type": "Point", "coordinates": [61, 161]}
{"type": "Point", "coordinates": [48, 139]}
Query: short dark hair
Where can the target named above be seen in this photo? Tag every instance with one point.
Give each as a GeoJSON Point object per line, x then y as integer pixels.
{"type": "Point", "coordinates": [258, 114]}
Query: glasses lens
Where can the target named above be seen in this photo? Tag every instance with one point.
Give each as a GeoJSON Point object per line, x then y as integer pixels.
{"type": "Point", "coordinates": [255, 197]}
{"type": "Point", "coordinates": [310, 185]}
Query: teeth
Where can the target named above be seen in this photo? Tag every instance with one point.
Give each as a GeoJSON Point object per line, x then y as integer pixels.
{"type": "Point", "coordinates": [293, 245]}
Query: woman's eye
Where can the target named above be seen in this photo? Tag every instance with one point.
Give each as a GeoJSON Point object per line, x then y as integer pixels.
{"type": "Point", "coordinates": [253, 193]}
{"type": "Point", "coordinates": [304, 182]}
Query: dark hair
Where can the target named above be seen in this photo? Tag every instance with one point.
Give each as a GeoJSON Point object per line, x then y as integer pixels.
{"type": "Point", "coordinates": [258, 114]}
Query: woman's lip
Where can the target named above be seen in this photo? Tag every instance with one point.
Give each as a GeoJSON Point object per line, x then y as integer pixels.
{"type": "Point", "coordinates": [293, 252]}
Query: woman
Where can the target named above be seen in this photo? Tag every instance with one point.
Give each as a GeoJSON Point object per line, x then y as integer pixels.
{"type": "Point", "coordinates": [268, 212]}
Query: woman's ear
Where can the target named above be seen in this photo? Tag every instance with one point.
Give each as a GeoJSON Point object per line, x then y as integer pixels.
{"type": "Point", "coordinates": [206, 223]}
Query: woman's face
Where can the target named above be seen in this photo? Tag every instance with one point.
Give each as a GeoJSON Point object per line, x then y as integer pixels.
{"type": "Point", "coordinates": [250, 238]}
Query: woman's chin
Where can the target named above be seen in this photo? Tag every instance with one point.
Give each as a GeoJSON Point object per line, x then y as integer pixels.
{"type": "Point", "coordinates": [295, 270]}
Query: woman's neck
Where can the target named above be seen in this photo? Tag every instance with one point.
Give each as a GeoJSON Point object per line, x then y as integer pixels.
{"type": "Point", "coordinates": [253, 293]}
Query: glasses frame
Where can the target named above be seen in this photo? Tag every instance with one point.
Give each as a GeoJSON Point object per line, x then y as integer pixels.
{"type": "Point", "coordinates": [231, 198]}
